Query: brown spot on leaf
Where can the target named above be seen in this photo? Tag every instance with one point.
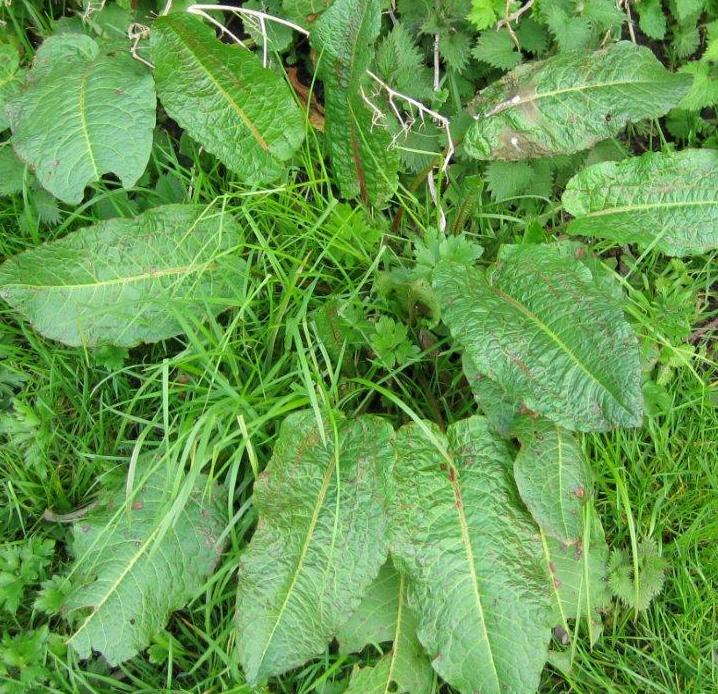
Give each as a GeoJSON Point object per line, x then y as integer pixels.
{"type": "Point", "coordinates": [137, 505]}
{"type": "Point", "coordinates": [579, 550]}
{"type": "Point", "coordinates": [561, 635]}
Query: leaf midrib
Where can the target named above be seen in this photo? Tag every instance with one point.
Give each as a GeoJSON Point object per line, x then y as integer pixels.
{"type": "Point", "coordinates": [556, 339]}
{"type": "Point", "coordinates": [508, 104]}
{"type": "Point", "coordinates": [397, 633]}
{"type": "Point", "coordinates": [82, 106]}
{"type": "Point", "coordinates": [114, 585]}
{"type": "Point", "coordinates": [177, 270]}
{"type": "Point", "coordinates": [190, 45]}
{"type": "Point", "coordinates": [326, 481]}
{"type": "Point", "coordinates": [468, 549]}
{"type": "Point", "coordinates": [559, 457]}
{"type": "Point", "coordinates": [606, 211]}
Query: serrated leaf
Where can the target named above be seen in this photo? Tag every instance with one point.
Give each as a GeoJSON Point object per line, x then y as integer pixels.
{"type": "Point", "coordinates": [637, 591]}
{"type": "Point", "coordinates": [221, 95]}
{"type": "Point", "coordinates": [578, 577]}
{"type": "Point", "coordinates": [455, 49]}
{"type": "Point", "coordinates": [652, 20]}
{"type": "Point", "coordinates": [126, 281]}
{"type": "Point", "coordinates": [320, 541]}
{"type": "Point", "coordinates": [12, 172]}
{"type": "Point", "coordinates": [572, 33]}
{"type": "Point", "coordinates": [472, 557]}
{"type": "Point", "coordinates": [604, 15]}
{"type": "Point", "coordinates": [483, 13]}
{"type": "Point", "coordinates": [363, 160]}
{"type": "Point", "coordinates": [703, 91]}
{"type": "Point", "coordinates": [570, 101]}
{"type": "Point", "coordinates": [497, 49]}
{"type": "Point", "coordinates": [667, 201]}
{"type": "Point", "coordinates": [400, 63]}
{"type": "Point", "coordinates": [553, 478]}
{"type": "Point", "coordinates": [384, 615]}
{"type": "Point", "coordinates": [10, 79]}
{"type": "Point", "coordinates": [85, 112]}
{"type": "Point", "coordinates": [532, 36]}
{"type": "Point", "coordinates": [711, 50]}
{"type": "Point", "coordinates": [547, 331]}
{"type": "Point", "coordinates": [686, 10]}
{"type": "Point", "coordinates": [137, 560]}
{"type": "Point", "coordinates": [686, 40]}
{"type": "Point", "coordinates": [46, 207]}
{"type": "Point", "coordinates": [505, 179]}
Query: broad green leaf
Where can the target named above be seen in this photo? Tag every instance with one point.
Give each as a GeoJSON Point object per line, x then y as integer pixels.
{"type": "Point", "coordinates": [545, 327]}
{"type": "Point", "coordinates": [553, 478]}
{"type": "Point", "coordinates": [374, 621]}
{"type": "Point", "coordinates": [305, 12]}
{"type": "Point", "coordinates": [472, 556]}
{"type": "Point", "coordinates": [221, 95]}
{"type": "Point", "coordinates": [363, 160]}
{"type": "Point", "coordinates": [85, 112]}
{"type": "Point", "coordinates": [126, 281]}
{"type": "Point", "coordinates": [495, 405]}
{"type": "Point", "coordinates": [667, 201]}
{"type": "Point", "coordinates": [319, 543]}
{"type": "Point", "coordinates": [139, 558]}
{"type": "Point", "coordinates": [10, 79]}
{"type": "Point", "coordinates": [384, 615]}
{"type": "Point", "coordinates": [578, 577]}
{"type": "Point", "coordinates": [570, 101]}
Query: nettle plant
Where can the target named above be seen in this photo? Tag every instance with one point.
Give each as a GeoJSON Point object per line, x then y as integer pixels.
{"type": "Point", "coordinates": [463, 548]}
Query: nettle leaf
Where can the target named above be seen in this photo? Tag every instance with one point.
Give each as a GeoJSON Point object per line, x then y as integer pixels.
{"type": "Point", "coordinates": [319, 543]}
{"type": "Point", "coordinates": [553, 478]}
{"type": "Point", "coordinates": [570, 101]}
{"type": "Point", "coordinates": [126, 281]}
{"type": "Point", "coordinates": [472, 556]}
{"type": "Point", "coordinates": [384, 615]}
{"type": "Point", "coordinates": [637, 591]}
{"type": "Point", "coordinates": [140, 558]}
{"type": "Point", "coordinates": [363, 160]}
{"type": "Point", "coordinates": [10, 79]}
{"type": "Point", "coordinates": [85, 112]}
{"type": "Point", "coordinates": [667, 201]}
{"type": "Point", "coordinates": [401, 64]}
{"type": "Point", "coordinates": [571, 32]}
{"type": "Point", "coordinates": [578, 574]}
{"type": "Point", "coordinates": [547, 329]}
{"type": "Point", "coordinates": [221, 95]}
{"type": "Point", "coordinates": [497, 49]}
{"type": "Point", "coordinates": [652, 20]}
{"type": "Point", "coordinates": [12, 172]}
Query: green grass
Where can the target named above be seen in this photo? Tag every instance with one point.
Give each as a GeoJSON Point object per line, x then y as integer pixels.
{"type": "Point", "coordinates": [218, 394]}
